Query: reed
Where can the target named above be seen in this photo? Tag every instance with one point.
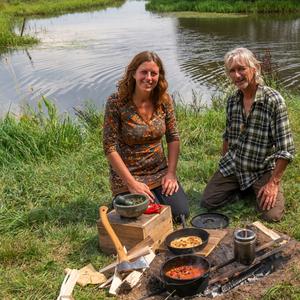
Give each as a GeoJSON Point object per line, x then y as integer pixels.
{"type": "Point", "coordinates": [54, 176]}
{"type": "Point", "coordinates": [226, 6]}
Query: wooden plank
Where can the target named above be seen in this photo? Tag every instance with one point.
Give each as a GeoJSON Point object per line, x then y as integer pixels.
{"type": "Point", "coordinates": [215, 236]}
{"type": "Point", "coordinates": [270, 233]}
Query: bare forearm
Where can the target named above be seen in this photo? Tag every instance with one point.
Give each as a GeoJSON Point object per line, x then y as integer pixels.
{"type": "Point", "coordinates": [225, 147]}
{"type": "Point", "coordinates": [118, 165]}
{"type": "Point", "coordinates": [278, 172]}
{"type": "Point", "coordinates": [173, 153]}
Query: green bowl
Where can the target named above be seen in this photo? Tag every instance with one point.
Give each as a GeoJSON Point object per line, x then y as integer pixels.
{"type": "Point", "coordinates": [131, 211]}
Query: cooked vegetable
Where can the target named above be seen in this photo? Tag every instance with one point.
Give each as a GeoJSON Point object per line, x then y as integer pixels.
{"type": "Point", "coordinates": [186, 242]}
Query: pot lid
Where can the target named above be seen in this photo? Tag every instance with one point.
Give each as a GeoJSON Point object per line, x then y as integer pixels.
{"type": "Point", "coordinates": [210, 221]}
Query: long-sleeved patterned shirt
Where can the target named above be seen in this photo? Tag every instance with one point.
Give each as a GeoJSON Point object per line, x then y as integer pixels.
{"type": "Point", "coordinates": [256, 141]}
{"type": "Point", "coordinates": [138, 142]}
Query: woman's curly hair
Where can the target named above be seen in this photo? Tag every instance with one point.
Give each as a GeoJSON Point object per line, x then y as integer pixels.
{"type": "Point", "coordinates": [126, 85]}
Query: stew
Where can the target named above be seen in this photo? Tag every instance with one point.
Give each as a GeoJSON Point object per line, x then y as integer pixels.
{"type": "Point", "coordinates": [186, 272]}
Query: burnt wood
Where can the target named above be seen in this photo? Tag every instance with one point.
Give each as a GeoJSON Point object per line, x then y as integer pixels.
{"type": "Point", "coordinates": [225, 277]}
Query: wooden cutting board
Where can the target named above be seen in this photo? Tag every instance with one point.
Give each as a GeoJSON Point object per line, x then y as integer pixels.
{"type": "Point", "coordinates": [215, 236]}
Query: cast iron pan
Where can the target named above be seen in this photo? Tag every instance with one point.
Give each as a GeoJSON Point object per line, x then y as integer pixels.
{"type": "Point", "coordinates": [210, 221]}
{"type": "Point", "coordinates": [203, 234]}
{"type": "Point", "coordinates": [184, 287]}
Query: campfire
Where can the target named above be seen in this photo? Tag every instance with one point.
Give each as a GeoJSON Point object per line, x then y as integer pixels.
{"type": "Point", "coordinates": [147, 272]}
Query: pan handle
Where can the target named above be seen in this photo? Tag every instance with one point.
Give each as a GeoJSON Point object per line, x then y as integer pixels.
{"type": "Point", "coordinates": [120, 250]}
{"type": "Point", "coordinates": [182, 217]}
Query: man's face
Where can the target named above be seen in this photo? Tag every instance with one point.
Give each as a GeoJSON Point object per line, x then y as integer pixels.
{"type": "Point", "coordinates": [242, 75]}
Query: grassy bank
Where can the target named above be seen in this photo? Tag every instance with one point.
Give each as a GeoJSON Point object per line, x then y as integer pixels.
{"type": "Point", "coordinates": [226, 6]}
{"type": "Point", "coordinates": [54, 176]}
{"type": "Point", "coordinates": [11, 13]}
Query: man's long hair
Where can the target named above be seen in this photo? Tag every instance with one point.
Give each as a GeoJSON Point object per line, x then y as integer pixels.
{"type": "Point", "coordinates": [244, 55]}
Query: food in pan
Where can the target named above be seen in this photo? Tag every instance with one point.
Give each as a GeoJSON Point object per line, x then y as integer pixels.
{"type": "Point", "coordinates": [186, 272]}
{"type": "Point", "coordinates": [186, 242]}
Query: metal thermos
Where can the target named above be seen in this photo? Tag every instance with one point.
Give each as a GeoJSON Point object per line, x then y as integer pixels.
{"type": "Point", "coordinates": [244, 246]}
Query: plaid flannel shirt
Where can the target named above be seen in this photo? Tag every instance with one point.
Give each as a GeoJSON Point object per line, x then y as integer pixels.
{"type": "Point", "coordinates": [255, 142]}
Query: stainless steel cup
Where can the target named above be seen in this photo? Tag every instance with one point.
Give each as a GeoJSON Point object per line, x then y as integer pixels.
{"type": "Point", "coordinates": [244, 246]}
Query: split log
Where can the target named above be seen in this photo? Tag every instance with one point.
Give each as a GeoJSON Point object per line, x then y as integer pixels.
{"type": "Point", "coordinates": [138, 252]}
{"type": "Point", "coordinates": [68, 285]}
{"type": "Point", "coordinates": [270, 233]}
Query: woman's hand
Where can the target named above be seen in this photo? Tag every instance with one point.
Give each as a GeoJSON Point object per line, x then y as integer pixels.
{"type": "Point", "coordinates": [141, 188]}
{"type": "Point", "coordinates": [169, 184]}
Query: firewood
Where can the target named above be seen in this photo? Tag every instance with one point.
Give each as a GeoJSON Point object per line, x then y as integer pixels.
{"type": "Point", "coordinates": [131, 255]}
{"type": "Point", "coordinates": [270, 233]}
{"type": "Point", "coordinates": [68, 285]}
{"type": "Point", "coordinates": [134, 277]}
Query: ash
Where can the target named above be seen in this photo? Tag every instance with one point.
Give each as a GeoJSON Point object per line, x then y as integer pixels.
{"type": "Point", "coordinates": [254, 274]}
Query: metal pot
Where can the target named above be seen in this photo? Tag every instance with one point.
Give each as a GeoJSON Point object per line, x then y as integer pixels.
{"type": "Point", "coordinates": [186, 287]}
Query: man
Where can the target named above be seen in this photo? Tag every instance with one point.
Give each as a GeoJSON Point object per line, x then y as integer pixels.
{"type": "Point", "coordinates": [258, 143]}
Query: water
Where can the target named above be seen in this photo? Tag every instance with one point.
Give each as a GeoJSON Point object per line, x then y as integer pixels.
{"type": "Point", "coordinates": [82, 56]}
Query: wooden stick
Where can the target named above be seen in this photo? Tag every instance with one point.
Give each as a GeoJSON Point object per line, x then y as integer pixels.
{"type": "Point", "coordinates": [270, 233]}
{"type": "Point", "coordinates": [68, 285]}
{"type": "Point", "coordinates": [233, 273]}
{"type": "Point", "coordinates": [257, 250]}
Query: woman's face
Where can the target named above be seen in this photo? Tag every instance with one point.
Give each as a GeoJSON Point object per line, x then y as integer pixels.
{"type": "Point", "coordinates": [146, 76]}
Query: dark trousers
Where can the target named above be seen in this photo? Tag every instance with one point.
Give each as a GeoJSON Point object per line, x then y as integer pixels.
{"type": "Point", "coordinates": [221, 190]}
{"type": "Point", "coordinates": [178, 201]}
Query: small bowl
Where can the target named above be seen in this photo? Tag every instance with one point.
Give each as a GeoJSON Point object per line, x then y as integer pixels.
{"type": "Point", "coordinates": [132, 211]}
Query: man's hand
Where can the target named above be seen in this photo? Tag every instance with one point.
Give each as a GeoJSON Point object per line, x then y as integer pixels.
{"type": "Point", "coordinates": [268, 194]}
{"type": "Point", "coordinates": [141, 188]}
{"type": "Point", "coordinates": [169, 184]}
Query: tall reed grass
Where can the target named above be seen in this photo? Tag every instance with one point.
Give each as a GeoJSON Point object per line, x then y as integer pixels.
{"type": "Point", "coordinates": [225, 6]}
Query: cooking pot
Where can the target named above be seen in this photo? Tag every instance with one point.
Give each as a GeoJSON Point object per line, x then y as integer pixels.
{"type": "Point", "coordinates": [186, 287]}
{"type": "Point", "coordinates": [190, 231]}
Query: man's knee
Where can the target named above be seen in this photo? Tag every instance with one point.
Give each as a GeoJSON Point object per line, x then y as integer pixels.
{"type": "Point", "coordinates": [273, 215]}
{"type": "Point", "coordinates": [206, 204]}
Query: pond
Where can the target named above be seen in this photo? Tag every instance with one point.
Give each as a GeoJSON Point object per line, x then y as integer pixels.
{"type": "Point", "coordinates": [82, 56]}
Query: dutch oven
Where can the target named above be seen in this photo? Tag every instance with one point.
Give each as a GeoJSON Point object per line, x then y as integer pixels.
{"type": "Point", "coordinates": [186, 287]}
{"type": "Point", "coordinates": [184, 232]}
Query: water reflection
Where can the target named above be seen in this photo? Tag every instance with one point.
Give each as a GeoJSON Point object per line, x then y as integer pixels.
{"type": "Point", "coordinates": [81, 56]}
{"type": "Point", "coordinates": [202, 44]}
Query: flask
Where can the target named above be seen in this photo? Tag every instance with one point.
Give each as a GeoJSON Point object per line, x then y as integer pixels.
{"type": "Point", "coordinates": [244, 246]}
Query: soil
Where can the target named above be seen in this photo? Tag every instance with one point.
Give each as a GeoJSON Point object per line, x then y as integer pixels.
{"type": "Point", "coordinates": [287, 272]}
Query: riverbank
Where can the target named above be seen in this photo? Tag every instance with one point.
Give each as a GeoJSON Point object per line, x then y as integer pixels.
{"type": "Point", "coordinates": [54, 176]}
{"type": "Point", "coordinates": [12, 14]}
{"type": "Point", "coordinates": [223, 6]}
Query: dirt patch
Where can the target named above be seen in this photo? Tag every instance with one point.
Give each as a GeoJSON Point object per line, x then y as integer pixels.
{"type": "Point", "coordinates": [288, 272]}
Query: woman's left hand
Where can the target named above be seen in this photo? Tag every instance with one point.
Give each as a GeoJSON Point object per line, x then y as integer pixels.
{"type": "Point", "coordinates": [169, 184]}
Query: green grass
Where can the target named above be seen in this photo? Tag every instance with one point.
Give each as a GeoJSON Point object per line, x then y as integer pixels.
{"type": "Point", "coordinates": [54, 176]}
{"type": "Point", "coordinates": [225, 6]}
{"type": "Point", "coordinates": [12, 13]}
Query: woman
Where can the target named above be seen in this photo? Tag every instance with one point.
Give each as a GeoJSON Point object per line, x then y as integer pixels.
{"type": "Point", "coordinates": [136, 119]}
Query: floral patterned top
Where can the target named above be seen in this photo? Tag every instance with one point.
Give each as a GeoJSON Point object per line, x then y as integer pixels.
{"type": "Point", "coordinates": [138, 142]}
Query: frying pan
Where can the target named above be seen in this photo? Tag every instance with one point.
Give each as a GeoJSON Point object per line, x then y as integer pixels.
{"type": "Point", "coordinates": [203, 234]}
